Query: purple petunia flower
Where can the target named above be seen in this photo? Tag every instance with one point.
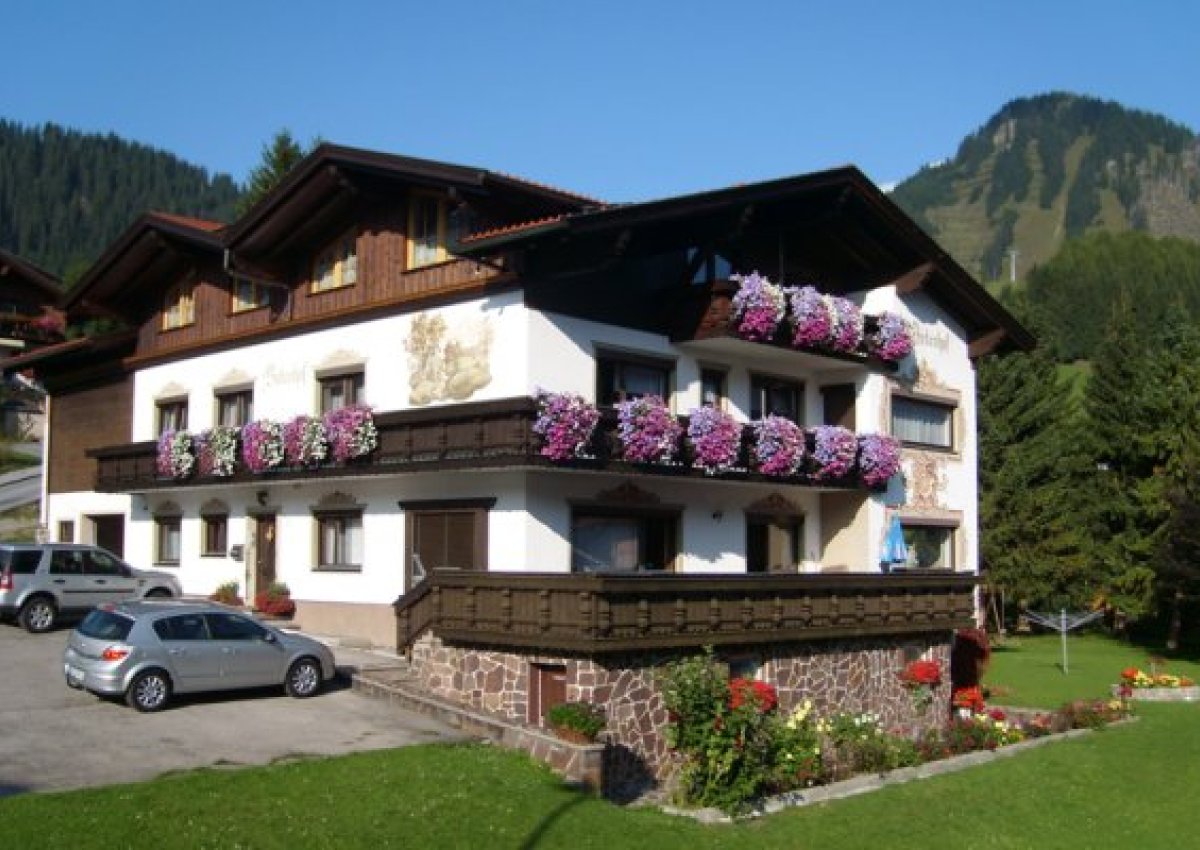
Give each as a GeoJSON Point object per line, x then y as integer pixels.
{"type": "Point", "coordinates": [716, 439]}
{"type": "Point", "coordinates": [566, 423]}
{"type": "Point", "coordinates": [892, 339]}
{"type": "Point", "coordinates": [759, 306]}
{"type": "Point", "coordinates": [878, 458]}
{"type": "Point", "coordinates": [778, 446]}
{"type": "Point", "coordinates": [649, 432]}
{"type": "Point", "coordinates": [835, 450]}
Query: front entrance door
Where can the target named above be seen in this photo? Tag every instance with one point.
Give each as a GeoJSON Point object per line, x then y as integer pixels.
{"type": "Point", "coordinates": [108, 532]}
{"type": "Point", "coordinates": [264, 551]}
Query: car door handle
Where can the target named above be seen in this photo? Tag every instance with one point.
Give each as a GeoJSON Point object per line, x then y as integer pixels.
{"type": "Point", "coordinates": [101, 581]}
{"type": "Point", "coordinates": [60, 581]}
{"type": "Point", "coordinates": [174, 652]}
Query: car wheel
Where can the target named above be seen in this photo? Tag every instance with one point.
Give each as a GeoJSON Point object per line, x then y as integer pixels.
{"type": "Point", "coordinates": [159, 593]}
{"type": "Point", "coordinates": [303, 678]}
{"type": "Point", "coordinates": [38, 614]}
{"type": "Point", "coordinates": [149, 691]}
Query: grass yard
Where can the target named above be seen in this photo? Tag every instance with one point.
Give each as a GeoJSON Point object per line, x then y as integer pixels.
{"type": "Point", "coordinates": [1128, 787]}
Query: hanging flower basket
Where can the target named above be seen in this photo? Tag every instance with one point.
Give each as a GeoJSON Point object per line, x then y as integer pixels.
{"type": "Point", "coordinates": [216, 451]}
{"type": "Point", "coordinates": [262, 445]}
{"type": "Point", "coordinates": [566, 424]}
{"type": "Point", "coordinates": [878, 459]}
{"type": "Point", "coordinates": [351, 432]}
{"type": "Point", "coordinates": [811, 318]}
{"type": "Point", "coordinates": [176, 455]}
{"type": "Point", "coordinates": [759, 307]}
{"type": "Point", "coordinates": [847, 333]}
{"type": "Point", "coordinates": [778, 447]}
{"type": "Point", "coordinates": [649, 432]}
{"type": "Point", "coordinates": [834, 452]}
{"type": "Point", "coordinates": [891, 340]}
{"type": "Point", "coordinates": [305, 442]}
{"type": "Point", "coordinates": [715, 438]}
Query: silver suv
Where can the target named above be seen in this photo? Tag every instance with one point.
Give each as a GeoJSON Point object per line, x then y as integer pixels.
{"type": "Point", "coordinates": [147, 651]}
{"type": "Point", "coordinates": [41, 583]}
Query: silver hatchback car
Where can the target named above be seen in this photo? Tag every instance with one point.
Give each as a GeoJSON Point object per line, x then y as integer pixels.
{"type": "Point", "coordinates": [147, 651]}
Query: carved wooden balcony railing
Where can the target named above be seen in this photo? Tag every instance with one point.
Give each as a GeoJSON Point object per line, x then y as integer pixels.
{"type": "Point", "coordinates": [479, 435]}
{"type": "Point", "coordinates": [600, 613]}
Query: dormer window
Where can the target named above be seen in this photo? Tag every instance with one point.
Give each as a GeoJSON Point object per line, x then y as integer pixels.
{"type": "Point", "coordinates": [337, 265]}
{"type": "Point", "coordinates": [706, 268]}
{"type": "Point", "coordinates": [179, 306]}
{"type": "Point", "coordinates": [427, 230]}
{"type": "Point", "coordinates": [248, 295]}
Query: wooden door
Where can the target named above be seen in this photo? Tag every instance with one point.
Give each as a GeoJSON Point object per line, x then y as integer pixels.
{"type": "Point", "coordinates": [547, 688]}
{"type": "Point", "coordinates": [109, 532]}
{"type": "Point", "coordinates": [264, 551]}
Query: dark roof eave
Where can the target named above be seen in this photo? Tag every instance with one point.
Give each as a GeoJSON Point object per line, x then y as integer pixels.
{"type": "Point", "coordinates": [41, 279]}
{"type": "Point", "coordinates": [61, 351]}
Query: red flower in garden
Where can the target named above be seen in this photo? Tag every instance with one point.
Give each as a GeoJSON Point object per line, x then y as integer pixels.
{"type": "Point", "coordinates": [922, 672]}
{"type": "Point", "coordinates": [970, 698]}
{"type": "Point", "coordinates": [760, 694]}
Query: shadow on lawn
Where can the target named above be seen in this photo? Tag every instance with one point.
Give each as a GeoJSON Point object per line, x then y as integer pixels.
{"type": "Point", "coordinates": [545, 823]}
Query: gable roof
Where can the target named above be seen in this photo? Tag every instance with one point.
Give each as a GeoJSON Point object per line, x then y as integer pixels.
{"type": "Point", "coordinates": [333, 174]}
{"type": "Point", "coordinates": [155, 240]}
{"type": "Point", "coordinates": [13, 267]}
{"type": "Point", "coordinates": [841, 208]}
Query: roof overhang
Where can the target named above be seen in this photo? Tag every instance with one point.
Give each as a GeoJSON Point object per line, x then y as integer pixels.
{"type": "Point", "coordinates": [14, 267]}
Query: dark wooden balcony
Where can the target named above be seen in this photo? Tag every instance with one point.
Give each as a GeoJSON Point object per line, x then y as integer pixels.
{"type": "Point", "coordinates": [480, 435]}
{"type": "Point", "coordinates": [602, 613]}
{"type": "Point", "coordinates": [706, 317]}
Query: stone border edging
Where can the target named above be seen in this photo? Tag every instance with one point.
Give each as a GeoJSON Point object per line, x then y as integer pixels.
{"type": "Point", "coordinates": [865, 783]}
{"type": "Point", "coordinates": [1188, 694]}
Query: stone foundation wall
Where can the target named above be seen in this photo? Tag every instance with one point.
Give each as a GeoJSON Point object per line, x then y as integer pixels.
{"type": "Point", "coordinates": [850, 675]}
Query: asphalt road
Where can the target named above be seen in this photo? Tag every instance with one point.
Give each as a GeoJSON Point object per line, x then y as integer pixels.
{"type": "Point", "coordinates": [58, 738]}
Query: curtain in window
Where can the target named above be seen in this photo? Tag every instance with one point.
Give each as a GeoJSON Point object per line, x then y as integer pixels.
{"type": "Point", "coordinates": [920, 422]}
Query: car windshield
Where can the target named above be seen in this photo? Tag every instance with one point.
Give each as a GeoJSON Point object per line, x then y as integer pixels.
{"type": "Point", "coordinates": [105, 625]}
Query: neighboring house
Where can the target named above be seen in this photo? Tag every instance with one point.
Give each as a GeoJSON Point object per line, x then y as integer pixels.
{"type": "Point", "coordinates": [29, 318]}
{"type": "Point", "coordinates": [446, 298]}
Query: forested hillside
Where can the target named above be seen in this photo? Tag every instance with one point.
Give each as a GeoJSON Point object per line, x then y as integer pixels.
{"type": "Point", "coordinates": [65, 195]}
{"type": "Point", "coordinates": [1054, 167]}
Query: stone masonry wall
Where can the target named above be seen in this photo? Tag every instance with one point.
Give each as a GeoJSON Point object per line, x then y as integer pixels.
{"type": "Point", "coordinates": [850, 675]}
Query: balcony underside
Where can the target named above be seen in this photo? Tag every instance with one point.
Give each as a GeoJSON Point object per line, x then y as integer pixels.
{"type": "Point", "coordinates": [596, 613]}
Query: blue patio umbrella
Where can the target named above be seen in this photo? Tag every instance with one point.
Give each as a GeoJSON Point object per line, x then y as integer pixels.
{"type": "Point", "coordinates": [894, 550]}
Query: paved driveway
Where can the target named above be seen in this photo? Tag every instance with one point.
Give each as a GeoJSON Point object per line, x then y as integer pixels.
{"type": "Point", "coordinates": [55, 738]}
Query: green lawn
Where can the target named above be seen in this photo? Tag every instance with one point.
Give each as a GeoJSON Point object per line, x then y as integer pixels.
{"type": "Point", "coordinates": [1126, 787]}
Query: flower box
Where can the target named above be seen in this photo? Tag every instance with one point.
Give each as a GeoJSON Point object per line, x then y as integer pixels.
{"type": "Point", "coordinates": [1187, 694]}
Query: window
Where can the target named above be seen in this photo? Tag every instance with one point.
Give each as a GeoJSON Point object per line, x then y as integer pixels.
{"type": "Point", "coordinates": [773, 544]}
{"type": "Point", "coordinates": [97, 563]}
{"type": "Point", "coordinates": [339, 540]}
{"type": "Point", "coordinates": [338, 391]}
{"type": "Point", "coordinates": [172, 415]}
{"type": "Point", "coordinates": [445, 535]}
{"type": "Point", "coordinates": [712, 388]}
{"type": "Point", "coordinates": [215, 528]}
{"type": "Point", "coordinates": [621, 379]}
{"type": "Point", "coordinates": [179, 306]}
{"type": "Point", "coordinates": [182, 627]}
{"type": "Point", "coordinates": [775, 396]}
{"type": "Point", "coordinates": [923, 423]}
{"type": "Point", "coordinates": [249, 295]}
{"type": "Point", "coordinates": [930, 547]}
{"type": "Point", "coordinates": [235, 408]}
{"type": "Point", "coordinates": [838, 401]}
{"type": "Point", "coordinates": [426, 230]}
{"type": "Point", "coordinates": [66, 562]}
{"type": "Point", "coordinates": [619, 540]}
{"type": "Point", "coordinates": [706, 268]}
{"type": "Point", "coordinates": [167, 531]}
{"type": "Point", "coordinates": [337, 265]}
{"type": "Point", "coordinates": [66, 531]}
{"type": "Point", "coordinates": [21, 562]}
{"type": "Point", "coordinates": [224, 626]}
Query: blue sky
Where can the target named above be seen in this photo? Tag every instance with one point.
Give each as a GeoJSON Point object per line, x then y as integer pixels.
{"type": "Point", "coordinates": [622, 100]}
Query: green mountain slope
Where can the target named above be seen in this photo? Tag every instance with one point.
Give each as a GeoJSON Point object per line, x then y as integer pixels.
{"type": "Point", "coordinates": [65, 195]}
{"type": "Point", "coordinates": [1052, 167]}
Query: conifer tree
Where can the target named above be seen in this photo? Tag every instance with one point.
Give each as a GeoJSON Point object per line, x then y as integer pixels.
{"type": "Point", "coordinates": [279, 157]}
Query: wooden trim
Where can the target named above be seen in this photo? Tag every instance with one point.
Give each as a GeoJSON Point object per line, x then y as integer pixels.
{"type": "Point", "coordinates": [486, 504]}
{"type": "Point", "coordinates": [985, 343]}
{"type": "Point", "coordinates": [914, 281]}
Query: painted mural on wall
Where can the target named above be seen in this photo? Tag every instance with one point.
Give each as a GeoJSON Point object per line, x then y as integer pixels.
{"type": "Point", "coordinates": [447, 362]}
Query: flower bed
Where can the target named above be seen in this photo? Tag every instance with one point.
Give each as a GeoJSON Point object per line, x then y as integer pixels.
{"type": "Point", "coordinates": [1155, 687]}
{"type": "Point", "coordinates": [737, 748]}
